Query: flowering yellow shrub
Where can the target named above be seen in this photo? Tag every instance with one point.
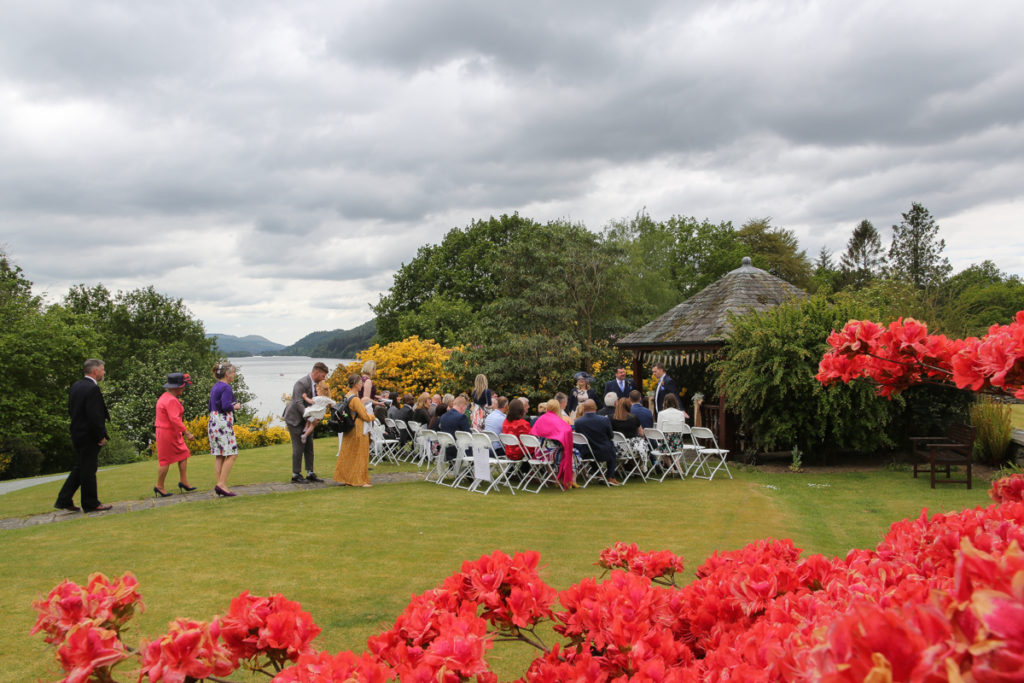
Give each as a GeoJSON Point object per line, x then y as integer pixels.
{"type": "Point", "coordinates": [254, 434]}
{"type": "Point", "coordinates": [411, 365]}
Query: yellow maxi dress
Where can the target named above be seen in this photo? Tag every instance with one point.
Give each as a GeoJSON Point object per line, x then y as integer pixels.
{"type": "Point", "coordinates": [353, 466]}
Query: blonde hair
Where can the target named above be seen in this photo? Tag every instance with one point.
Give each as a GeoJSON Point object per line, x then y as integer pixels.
{"type": "Point", "coordinates": [322, 388]}
{"type": "Point", "coordinates": [369, 367]}
{"type": "Point", "coordinates": [553, 406]}
{"type": "Point", "coordinates": [423, 400]}
{"type": "Point", "coordinates": [479, 385]}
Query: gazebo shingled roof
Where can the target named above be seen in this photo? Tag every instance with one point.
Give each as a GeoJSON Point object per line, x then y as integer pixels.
{"type": "Point", "coordinates": [702, 321]}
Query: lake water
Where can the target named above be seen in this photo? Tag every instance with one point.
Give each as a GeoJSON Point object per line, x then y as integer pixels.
{"type": "Point", "coordinates": [271, 378]}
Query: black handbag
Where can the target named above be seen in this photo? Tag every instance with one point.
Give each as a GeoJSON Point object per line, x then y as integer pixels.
{"type": "Point", "coordinates": [341, 421]}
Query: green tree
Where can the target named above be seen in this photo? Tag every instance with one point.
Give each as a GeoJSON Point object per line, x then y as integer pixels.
{"type": "Point", "coordinates": [826, 276]}
{"type": "Point", "coordinates": [766, 373]}
{"type": "Point", "coordinates": [776, 250]}
{"type": "Point", "coordinates": [915, 254]}
{"type": "Point", "coordinates": [978, 297]}
{"type": "Point", "coordinates": [863, 260]}
{"type": "Point", "coordinates": [461, 268]}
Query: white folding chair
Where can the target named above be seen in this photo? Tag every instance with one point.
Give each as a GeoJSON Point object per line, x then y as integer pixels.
{"type": "Point", "coordinates": [463, 459]}
{"type": "Point", "coordinates": [384, 448]}
{"type": "Point", "coordinates": [442, 466]}
{"type": "Point", "coordinates": [690, 453]}
{"type": "Point", "coordinates": [513, 440]}
{"type": "Point", "coordinates": [407, 450]}
{"type": "Point", "coordinates": [541, 461]}
{"type": "Point", "coordinates": [663, 456]}
{"type": "Point", "coordinates": [426, 439]}
{"type": "Point", "coordinates": [630, 461]}
{"type": "Point", "coordinates": [590, 469]}
{"type": "Point", "coordinates": [709, 453]}
{"type": "Point", "coordinates": [488, 466]}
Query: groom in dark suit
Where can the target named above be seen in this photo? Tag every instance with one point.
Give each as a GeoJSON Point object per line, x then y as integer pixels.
{"type": "Point", "coordinates": [296, 424]}
{"type": "Point", "coordinates": [665, 387]}
{"type": "Point", "coordinates": [621, 385]}
{"type": "Point", "coordinates": [89, 415]}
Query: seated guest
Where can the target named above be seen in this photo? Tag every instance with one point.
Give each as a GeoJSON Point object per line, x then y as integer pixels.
{"type": "Point", "coordinates": [494, 421]}
{"type": "Point", "coordinates": [671, 418]}
{"type": "Point", "coordinates": [598, 430]}
{"type": "Point", "coordinates": [454, 420]}
{"type": "Point", "coordinates": [551, 426]}
{"type": "Point", "coordinates": [435, 401]}
{"type": "Point", "coordinates": [421, 409]}
{"type": "Point", "coordinates": [610, 399]}
{"type": "Point", "coordinates": [563, 404]}
{"type": "Point", "coordinates": [441, 409]}
{"type": "Point", "coordinates": [641, 411]}
{"type": "Point", "coordinates": [621, 386]}
{"type": "Point", "coordinates": [515, 423]}
{"type": "Point", "coordinates": [626, 422]}
{"type": "Point", "coordinates": [580, 393]}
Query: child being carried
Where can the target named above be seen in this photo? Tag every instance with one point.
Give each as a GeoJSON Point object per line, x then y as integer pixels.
{"type": "Point", "coordinates": [315, 412]}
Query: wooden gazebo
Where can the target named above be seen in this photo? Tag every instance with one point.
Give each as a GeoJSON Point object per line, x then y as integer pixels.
{"type": "Point", "coordinates": [695, 330]}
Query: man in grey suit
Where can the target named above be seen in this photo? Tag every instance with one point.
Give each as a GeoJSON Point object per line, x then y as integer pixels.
{"type": "Point", "coordinates": [296, 423]}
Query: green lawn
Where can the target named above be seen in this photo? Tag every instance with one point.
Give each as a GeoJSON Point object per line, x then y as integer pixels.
{"type": "Point", "coordinates": [353, 557]}
{"type": "Point", "coordinates": [1017, 415]}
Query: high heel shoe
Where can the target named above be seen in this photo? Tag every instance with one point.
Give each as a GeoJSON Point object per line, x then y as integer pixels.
{"type": "Point", "coordinates": [162, 494]}
{"type": "Point", "coordinates": [221, 492]}
{"type": "Point", "coordinates": [186, 488]}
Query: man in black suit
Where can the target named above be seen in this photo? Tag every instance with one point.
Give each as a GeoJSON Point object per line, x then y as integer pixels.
{"type": "Point", "coordinates": [89, 415]}
{"type": "Point", "coordinates": [454, 420]}
{"type": "Point", "coordinates": [665, 387]}
{"type": "Point", "coordinates": [296, 423]}
{"type": "Point", "coordinates": [621, 385]}
{"type": "Point", "coordinates": [598, 430]}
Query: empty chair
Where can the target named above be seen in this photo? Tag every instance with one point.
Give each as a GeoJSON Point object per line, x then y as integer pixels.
{"type": "Point", "coordinates": [463, 459]}
{"type": "Point", "coordinates": [680, 438]}
{"type": "Point", "coordinates": [712, 458]}
{"type": "Point", "coordinates": [427, 441]}
{"type": "Point", "coordinates": [488, 466]}
{"type": "Point", "coordinates": [383, 447]}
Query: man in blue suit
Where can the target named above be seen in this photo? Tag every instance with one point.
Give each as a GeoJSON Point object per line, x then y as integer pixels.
{"type": "Point", "coordinates": [621, 385]}
{"type": "Point", "coordinates": [89, 416]}
{"type": "Point", "coordinates": [598, 430]}
{"type": "Point", "coordinates": [665, 387]}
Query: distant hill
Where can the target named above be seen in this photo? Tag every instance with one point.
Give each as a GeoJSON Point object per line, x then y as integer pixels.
{"type": "Point", "coordinates": [334, 343]}
{"type": "Point", "coordinates": [252, 344]}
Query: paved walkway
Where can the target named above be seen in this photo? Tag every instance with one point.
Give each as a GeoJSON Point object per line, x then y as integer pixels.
{"type": "Point", "coordinates": [176, 499]}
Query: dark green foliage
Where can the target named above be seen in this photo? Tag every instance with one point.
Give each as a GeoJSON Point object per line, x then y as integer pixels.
{"type": "Point", "coordinates": [19, 458]}
{"type": "Point", "coordinates": [775, 250]}
{"type": "Point", "coordinates": [915, 254]}
{"type": "Point", "coordinates": [978, 297]}
{"type": "Point", "coordinates": [333, 343]}
{"type": "Point", "coordinates": [232, 346]}
{"type": "Point", "coordinates": [767, 375]}
{"type": "Point", "coordinates": [864, 259]}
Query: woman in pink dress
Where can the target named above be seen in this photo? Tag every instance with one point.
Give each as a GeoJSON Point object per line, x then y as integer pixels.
{"type": "Point", "coordinates": [551, 426]}
{"type": "Point", "coordinates": [171, 433]}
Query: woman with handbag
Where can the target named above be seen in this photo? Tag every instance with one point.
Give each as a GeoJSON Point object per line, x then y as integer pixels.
{"type": "Point", "coordinates": [353, 467]}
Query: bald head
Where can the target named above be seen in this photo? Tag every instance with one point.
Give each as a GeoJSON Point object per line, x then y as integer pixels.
{"type": "Point", "coordinates": [589, 406]}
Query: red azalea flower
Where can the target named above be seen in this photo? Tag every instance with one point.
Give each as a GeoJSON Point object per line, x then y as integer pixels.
{"type": "Point", "coordinates": [344, 667]}
{"type": "Point", "coordinates": [189, 650]}
{"type": "Point", "coordinates": [88, 652]}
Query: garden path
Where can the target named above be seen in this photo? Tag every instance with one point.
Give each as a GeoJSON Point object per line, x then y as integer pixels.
{"type": "Point", "coordinates": [147, 503]}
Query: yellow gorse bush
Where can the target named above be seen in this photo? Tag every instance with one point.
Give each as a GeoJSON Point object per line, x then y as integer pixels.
{"type": "Point", "coordinates": [411, 365]}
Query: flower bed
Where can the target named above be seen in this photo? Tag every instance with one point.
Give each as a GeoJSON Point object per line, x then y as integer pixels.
{"type": "Point", "coordinates": [940, 598]}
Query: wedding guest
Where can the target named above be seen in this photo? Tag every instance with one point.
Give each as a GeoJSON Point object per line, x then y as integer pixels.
{"type": "Point", "coordinates": [642, 412]}
{"type": "Point", "coordinates": [624, 421]}
{"type": "Point", "coordinates": [221, 427]}
{"type": "Point", "coordinates": [89, 415]}
{"type": "Point", "coordinates": [666, 385]}
{"type": "Point", "coordinates": [302, 450]}
{"type": "Point", "coordinates": [369, 390]}
{"type": "Point", "coordinates": [580, 393]}
{"type": "Point", "coordinates": [353, 466]}
{"type": "Point", "coordinates": [421, 409]}
{"type": "Point", "coordinates": [515, 423]}
{"type": "Point", "coordinates": [621, 386]}
{"type": "Point", "coordinates": [171, 433]}
{"type": "Point", "coordinates": [551, 426]}
{"type": "Point", "coordinates": [454, 420]}
{"type": "Point", "coordinates": [610, 399]}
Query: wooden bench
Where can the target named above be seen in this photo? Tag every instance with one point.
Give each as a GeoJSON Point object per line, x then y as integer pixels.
{"type": "Point", "coordinates": [938, 452]}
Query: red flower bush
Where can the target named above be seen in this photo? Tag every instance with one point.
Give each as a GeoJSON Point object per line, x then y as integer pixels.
{"type": "Point", "coordinates": [344, 667]}
{"type": "Point", "coordinates": [188, 651]}
{"type": "Point", "coordinates": [102, 602]}
{"type": "Point", "coordinates": [659, 566]}
{"type": "Point", "coordinates": [1008, 489]}
{"type": "Point", "coordinates": [271, 626]}
{"type": "Point", "coordinates": [88, 651]}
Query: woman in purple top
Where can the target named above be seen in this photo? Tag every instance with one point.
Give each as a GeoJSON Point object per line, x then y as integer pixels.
{"type": "Point", "coordinates": [221, 429]}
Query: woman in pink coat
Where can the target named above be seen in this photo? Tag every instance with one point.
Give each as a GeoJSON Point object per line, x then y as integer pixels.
{"type": "Point", "coordinates": [551, 426]}
{"type": "Point", "coordinates": [171, 433]}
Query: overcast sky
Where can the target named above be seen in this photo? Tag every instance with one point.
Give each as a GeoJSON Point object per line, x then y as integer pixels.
{"type": "Point", "coordinates": [273, 163]}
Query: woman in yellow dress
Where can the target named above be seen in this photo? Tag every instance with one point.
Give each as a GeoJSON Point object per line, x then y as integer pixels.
{"type": "Point", "coordinates": [353, 468]}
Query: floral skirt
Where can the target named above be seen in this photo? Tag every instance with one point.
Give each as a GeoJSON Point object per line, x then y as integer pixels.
{"type": "Point", "coordinates": [221, 431]}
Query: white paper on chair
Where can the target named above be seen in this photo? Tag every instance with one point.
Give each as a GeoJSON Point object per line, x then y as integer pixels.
{"type": "Point", "coordinates": [481, 464]}
{"type": "Point", "coordinates": [367, 428]}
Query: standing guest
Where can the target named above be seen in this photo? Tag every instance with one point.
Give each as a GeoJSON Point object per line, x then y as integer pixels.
{"type": "Point", "coordinates": [610, 399]}
{"type": "Point", "coordinates": [582, 392]}
{"type": "Point", "coordinates": [353, 466]}
{"type": "Point", "coordinates": [171, 433]}
{"type": "Point", "coordinates": [221, 427]}
{"type": "Point", "coordinates": [317, 408]}
{"type": "Point", "coordinates": [515, 423]}
{"type": "Point", "coordinates": [454, 420]}
{"type": "Point", "coordinates": [551, 426]}
{"type": "Point", "coordinates": [302, 450]}
{"type": "Point", "coordinates": [641, 411]}
{"type": "Point", "coordinates": [625, 422]}
{"type": "Point", "coordinates": [89, 415]}
{"type": "Point", "coordinates": [598, 430]}
{"type": "Point", "coordinates": [482, 397]}
{"type": "Point", "coordinates": [664, 387]}
{"type": "Point", "coordinates": [621, 385]}
{"type": "Point", "coordinates": [494, 421]}
{"type": "Point", "coordinates": [369, 390]}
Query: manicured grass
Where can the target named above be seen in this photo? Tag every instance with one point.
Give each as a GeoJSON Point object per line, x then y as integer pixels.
{"type": "Point", "coordinates": [353, 557]}
{"type": "Point", "coordinates": [1017, 415]}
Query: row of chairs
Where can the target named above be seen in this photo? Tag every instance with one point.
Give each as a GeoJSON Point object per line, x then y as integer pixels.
{"type": "Point", "coordinates": [690, 452]}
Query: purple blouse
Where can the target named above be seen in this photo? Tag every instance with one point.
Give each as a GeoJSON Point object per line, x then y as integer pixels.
{"type": "Point", "coordinates": [222, 399]}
